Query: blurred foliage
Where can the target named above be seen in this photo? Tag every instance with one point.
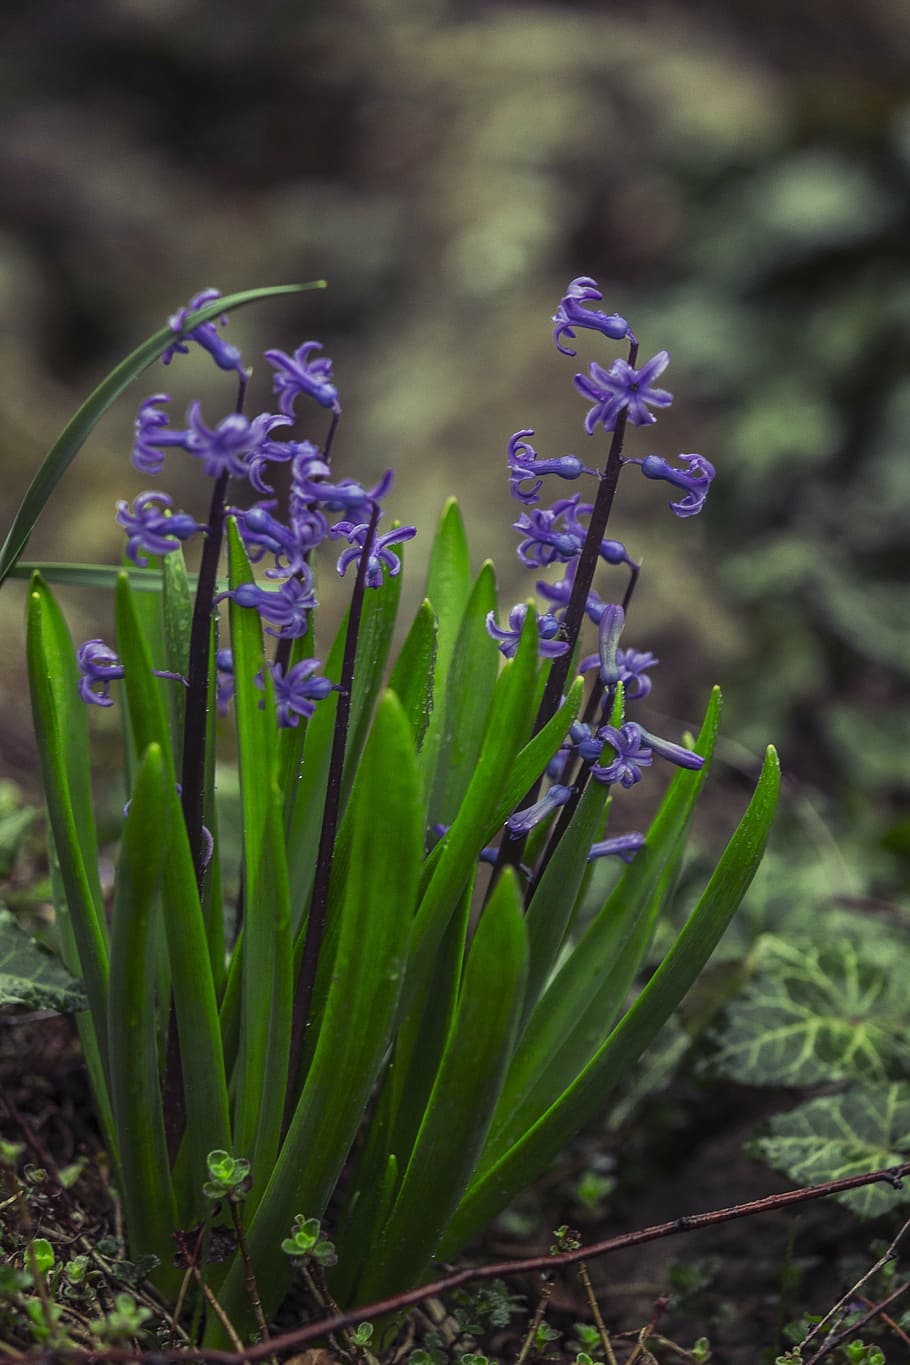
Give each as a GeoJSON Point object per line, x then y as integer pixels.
{"type": "Point", "coordinates": [739, 182]}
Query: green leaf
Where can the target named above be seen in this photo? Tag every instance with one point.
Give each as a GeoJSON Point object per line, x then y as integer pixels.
{"type": "Point", "coordinates": [202, 1061]}
{"type": "Point", "coordinates": [148, 1195]}
{"type": "Point", "coordinates": [462, 1099]}
{"type": "Point", "coordinates": [532, 1150]}
{"type": "Point", "coordinates": [61, 729]}
{"type": "Point", "coordinates": [30, 975]}
{"type": "Point", "coordinates": [380, 890]}
{"type": "Point", "coordinates": [262, 1073]}
{"type": "Point", "coordinates": [816, 1013]}
{"type": "Point", "coordinates": [74, 434]}
{"type": "Point", "coordinates": [470, 683]}
{"type": "Point", "coordinates": [866, 1128]}
{"type": "Point", "coordinates": [448, 590]}
{"type": "Point", "coordinates": [413, 676]}
{"type": "Point", "coordinates": [377, 623]}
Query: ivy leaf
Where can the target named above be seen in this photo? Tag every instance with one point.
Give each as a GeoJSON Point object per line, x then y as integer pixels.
{"type": "Point", "coordinates": [866, 1128]}
{"type": "Point", "coordinates": [29, 975]}
{"type": "Point", "coordinates": [816, 1014]}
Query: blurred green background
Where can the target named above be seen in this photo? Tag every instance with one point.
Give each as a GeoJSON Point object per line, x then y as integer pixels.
{"type": "Point", "coordinates": [737, 178]}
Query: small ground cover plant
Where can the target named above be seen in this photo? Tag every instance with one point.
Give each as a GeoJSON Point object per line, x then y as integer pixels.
{"type": "Point", "coordinates": [348, 1067]}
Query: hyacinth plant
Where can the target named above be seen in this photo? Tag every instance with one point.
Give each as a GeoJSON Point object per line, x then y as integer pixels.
{"type": "Point", "coordinates": [414, 1001]}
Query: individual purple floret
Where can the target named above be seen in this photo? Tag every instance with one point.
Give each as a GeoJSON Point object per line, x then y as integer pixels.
{"type": "Point", "coordinates": [623, 846]}
{"type": "Point", "coordinates": [297, 691]}
{"type": "Point", "coordinates": [547, 627]}
{"type": "Point", "coordinates": [523, 821]}
{"type": "Point", "coordinates": [696, 480]}
{"type": "Point", "coordinates": [152, 528]}
{"type": "Point", "coordinates": [622, 387]}
{"type": "Point", "coordinates": [153, 436]}
{"type": "Point", "coordinates": [631, 754]}
{"type": "Point", "coordinates": [632, 664]}
{"type": "Point", "coordinates": [379, 554]}
{"type": "Point", "coordinates": [305, 456]}
{"type": "Point", "coordinates": [299, 374]}
{"type": "Point", "coordinates": [263, 534]}
{"type": "Point", "coordinates": [99, 667]}
{"type": "Point", "coordinates": [609, 630]}
{"type": "Point", "coordinates": [552, 533]}
{"type": "Point", "coordinates": [206, 335]}
{"type": "Point", "coordinates": [587, 745]}
{"type": "Point", "coordinates": [524, 464]}
{"type": "Point", "coordinates": [570, 314]}
{"type": "Point", "coordinates": [347, 495]}
{"type": "Point", "coordinates": [287, 607]}
{"type": "Point", "coordinates": [229, 447]}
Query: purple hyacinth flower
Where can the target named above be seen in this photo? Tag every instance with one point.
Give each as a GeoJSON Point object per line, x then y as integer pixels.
{"type": "Point", "coordinates": [304, 455]}
{"type": "Point", "coordinates": [297, 691]}
{"type": "Point", "coordinates": [553, 533]}
{"type": "Point", "coordinates": [696, 480]}
{"type": "Point", "coordinates": [229, 447]}
{"type": "Point", "coordinates": [570, 314]}
{"type": "Point", "coordinates": [287, 608]}
{"type": "Point", "coordinates": [547, 627]}
{"type": "Point", "coordinates": [152, 529]}
{"type": "Point", "coordinates": [99, 667]}
{"type": "Point", "coordinates": [206, 335]}
{"type": "Point", "coordinates": [632, 664]}
{"type": "Point", "coordinates": [523, 821]}
{"type": "Point", "coordinates": [380, 553]}
{"type": "Point", "coordinates": [631, 754]}
{"type": "Point", "coordinates": [609, 629]}
{"type": "Point", "coordinates": [623, 388]}
{"type": "Point", "coordinates": [153, 436]}
{"type": "Point", "coordinates": [623, 846]}
{"type": "Point", "coordinates": [524, 464]}
{"type": "Point", "coordinates": [299, 374]}
{"type": "Point", "coordinates": [347, 495]}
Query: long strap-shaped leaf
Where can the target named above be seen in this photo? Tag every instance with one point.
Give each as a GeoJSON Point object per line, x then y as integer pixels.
{"type": "Point", "coordinates": [73, 436]}
{"type": "Point", "coordinates": [204, 1082]}
{"type": "Point", "coordinates": [462, 1099]}
{"type": "Point", "coordinates": [267, 988]}
{"type": "Point", "coordinates": [61, 728]}
{"type": "Point", "coordinates": [581, 1003]}
{"type": "Point", "coordinates": [148, 1195]}
{"type": "Point", "coordinates": [584, 1098]}
{"type": "Point", "coordinates": [377, 907]}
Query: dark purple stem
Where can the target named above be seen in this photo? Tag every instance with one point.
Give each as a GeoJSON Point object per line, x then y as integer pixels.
{"type": "Point", "coordinates": [197, 696]}
{"type": "Point", "coordinates": [306, 978]}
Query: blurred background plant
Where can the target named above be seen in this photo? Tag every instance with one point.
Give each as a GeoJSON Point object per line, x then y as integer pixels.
{"type": "Point", "coordinates": [737, 181]}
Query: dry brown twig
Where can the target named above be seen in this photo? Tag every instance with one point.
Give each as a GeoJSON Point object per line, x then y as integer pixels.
{"type": "Point", "coordinates": [892, 1175]}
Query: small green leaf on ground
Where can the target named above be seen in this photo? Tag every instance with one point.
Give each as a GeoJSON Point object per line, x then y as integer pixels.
{"type": "Point", "coordinates": [836, 1136]}
{"type": "Point", "coordinates": [29, 975]}
{"type": "Point", "coordinates": [816, 1014]}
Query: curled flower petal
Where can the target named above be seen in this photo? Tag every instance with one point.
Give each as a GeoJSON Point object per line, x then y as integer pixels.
{"type": "Point", "coordinates": [570, 314]}
{"type": "Point", "coordinates": [288, 607]}
{"type": "Point", "coordinates": [631, 754]}
{"type": "Point", "coordinates": [547, 626]}
{"type": "Point", "coordinates": [695, 480]}
{"type": "Point", "coordinates": [301, 374]}
{"type": "Point", "coordinates": [524, 464]}
{"type": "Point", "coordinates": [99, 666]}
{"type": "Point", "coordinates": [152, 528]}
{"type": "Point", "coordinates": [380, 553]}
{"type": "Point", "coordinates": [206, 335]}
{"type": "Point", "coordinates": [297, 691]}
{"type": "Point", "coordinates": [553, 533]}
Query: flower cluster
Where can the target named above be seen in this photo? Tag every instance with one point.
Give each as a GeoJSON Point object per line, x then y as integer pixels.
{"type": "Point", "coordinates": [604, 745]}
{"type": "Point", "coordinates": [239, 450]}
